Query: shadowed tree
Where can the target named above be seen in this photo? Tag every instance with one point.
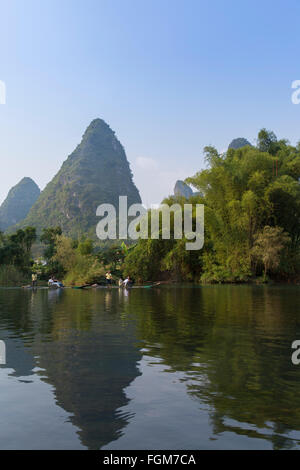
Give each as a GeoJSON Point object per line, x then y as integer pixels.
{"type": "Point", "coordinates": [268, 246]}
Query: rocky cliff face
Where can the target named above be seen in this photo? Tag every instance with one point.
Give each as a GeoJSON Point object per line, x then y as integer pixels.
{"type": "Point", "coordinates": [96, 172]}
{"type": "Point", "coordinates": [18, 202]}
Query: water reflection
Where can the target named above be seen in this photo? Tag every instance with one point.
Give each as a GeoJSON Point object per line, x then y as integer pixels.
{"type": "Point", "coordinates": [82, 349]}
{"type": "Point", "coordinates": [233, 345]}
{"type": "Point", "coordinates": [170, 367]}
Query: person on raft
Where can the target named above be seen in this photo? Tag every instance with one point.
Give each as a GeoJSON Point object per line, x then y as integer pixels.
{"type": "Point", "coordinates": [34, 279]}
{"type": "Point", "coordinates": [54, 282]}
{"type": "Point", "coordinates": [108, 277]}
{"type": "Point", "coordinates": [127, 282]}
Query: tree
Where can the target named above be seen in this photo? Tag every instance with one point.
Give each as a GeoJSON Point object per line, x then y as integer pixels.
{"type": "Point", "coordinates": [211, 155]}
{"type": "Point", "coordinates": [112, 255]}
{"type": "Point", "coordinates": [29, 238]}
{"type": "Point", "coordinates": [85, 247]}
{"type": "Point", "coordinates": [267, 141]}
{"type": "Point", "coordinates": [65, 253]}
{"type": "Point", "coordinates": [15, 249]}
{"type": "Point", "coordinates": [79, 266]}
{"type": "Point", "coordinates": [268, 246]}
{"type": "Point", "coordinates": [242, 194]}
{"type": "Point", "coordinates": [48, 237]}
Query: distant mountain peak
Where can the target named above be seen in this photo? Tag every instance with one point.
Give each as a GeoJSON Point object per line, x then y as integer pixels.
{"type": "Point", "coordinates": [18, 202]}
{"type": "Point", "coordinates": [182, 189]}
{"type": "Point", "coordinates": [26, 180]}
{"type": "Point", "coordinates": [96, 172]}
{"type": "Point", "coordinates": [97, 126]}
{"type": "Point", "coordinates": [238, 143]}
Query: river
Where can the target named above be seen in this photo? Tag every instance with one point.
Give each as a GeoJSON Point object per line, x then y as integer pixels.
{"type": "Point", "coordinates": [176, 367]}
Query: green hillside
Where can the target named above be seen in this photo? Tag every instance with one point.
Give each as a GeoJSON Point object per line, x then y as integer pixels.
{"type": "Point", "coordinates": [96, 172]}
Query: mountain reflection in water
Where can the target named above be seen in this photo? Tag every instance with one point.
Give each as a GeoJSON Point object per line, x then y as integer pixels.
{"type": "Point", "coordinates": [175, 367]}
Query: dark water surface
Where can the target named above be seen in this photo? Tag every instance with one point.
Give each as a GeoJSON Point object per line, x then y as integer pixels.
{"type": "Point", "coordinates": [163, 368]}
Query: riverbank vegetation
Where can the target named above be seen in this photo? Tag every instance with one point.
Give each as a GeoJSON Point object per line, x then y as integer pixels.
{"type": "Point", "coordinates": [251, 197]}
{"type": "Point", "coordinates": [15, 256]}
{"type": "Point", "coordinates": [252, 219]}
{"type": "Point", "coordinates": [77, 262]}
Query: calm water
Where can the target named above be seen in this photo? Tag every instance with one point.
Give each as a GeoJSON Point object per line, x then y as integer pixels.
{"type": "Point", "coordinates": [164, 368]}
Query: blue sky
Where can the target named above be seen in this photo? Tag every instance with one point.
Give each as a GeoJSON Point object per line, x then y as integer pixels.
{"type": "Point", "coordinates": [168, 76]}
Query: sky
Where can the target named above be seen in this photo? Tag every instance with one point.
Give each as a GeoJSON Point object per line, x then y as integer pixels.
{"type": "Point", "coordinates": [168, 76]}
